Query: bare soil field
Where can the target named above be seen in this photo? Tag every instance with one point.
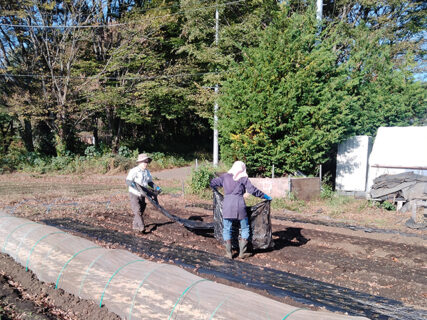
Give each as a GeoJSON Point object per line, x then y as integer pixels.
{"type": "Point", "coordinates": [346, 257]}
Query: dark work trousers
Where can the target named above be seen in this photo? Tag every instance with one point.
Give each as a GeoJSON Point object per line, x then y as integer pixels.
{"type": "Point", "coordinates": [137, 204]}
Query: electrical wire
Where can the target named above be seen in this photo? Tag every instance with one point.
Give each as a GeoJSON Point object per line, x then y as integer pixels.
{"type": "Point", "coordinates": [116, 24]}
{"type": "Point", "coordinates": [141, 78]}
{"type": "Point", "coordinates": [114, 78]}
{"type": "Point", "coordinates": [107, 78]}
{"type": "Point", "coordinates": [140, 10]}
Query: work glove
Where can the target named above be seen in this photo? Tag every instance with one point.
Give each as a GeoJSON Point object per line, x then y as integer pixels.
{"type": "Point", "coordinates": [268, 197]}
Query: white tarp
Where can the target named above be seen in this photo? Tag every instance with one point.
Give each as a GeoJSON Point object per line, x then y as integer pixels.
{"type": "Point", "coordinates": [397, 150]}
{"type": "Point", "coordinates": [400, 147]}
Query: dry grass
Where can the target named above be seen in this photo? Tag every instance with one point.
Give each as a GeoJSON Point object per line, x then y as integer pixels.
{"type": "Point", "coordinates": [34, 192]}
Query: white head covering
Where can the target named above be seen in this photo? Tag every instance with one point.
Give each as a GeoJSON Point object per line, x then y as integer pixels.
{"type": "Point", "coordinates": [238, 170]}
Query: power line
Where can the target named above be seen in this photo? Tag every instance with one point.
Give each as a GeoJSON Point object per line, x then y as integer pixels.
{"type": "Point", "coordinates": [183, 75]}
{"type": "Point", "coordinates": [145, 10]}
{"type": "Point", "coordinates": [115, 24]}
{"type": "Point", "coordinates": [140, 10]}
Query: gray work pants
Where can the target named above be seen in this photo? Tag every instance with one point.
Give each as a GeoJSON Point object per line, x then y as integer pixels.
{"type": "Point", "coordinates": [137, 204]}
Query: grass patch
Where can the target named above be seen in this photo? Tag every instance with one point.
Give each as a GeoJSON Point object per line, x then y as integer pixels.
{"type": "Point", "coordinates": [279, 203]}
{"type": "Point", "coordinates": [172, 190]}
{"type": "Point", "coordinates": [93, 162]}
{"type": "Point", "coordinates": [338, 201]}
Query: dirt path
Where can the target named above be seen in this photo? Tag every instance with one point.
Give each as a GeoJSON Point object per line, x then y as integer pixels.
{"type": "Point", "coordinates": [173, 174]}
{"type": "Point", "coordinates": [375, 274]}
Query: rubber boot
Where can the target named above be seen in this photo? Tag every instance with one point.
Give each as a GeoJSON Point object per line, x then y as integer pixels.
{"type": "Point", "coordinates": [138, 224]}
{"type": "Point", "coordinates": [243, 246]}
{"type": "Point", "coordinates": [228, 253]}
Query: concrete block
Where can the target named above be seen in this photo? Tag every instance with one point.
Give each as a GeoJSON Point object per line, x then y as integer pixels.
{"type": "Point", "coordinates": [274, 187]}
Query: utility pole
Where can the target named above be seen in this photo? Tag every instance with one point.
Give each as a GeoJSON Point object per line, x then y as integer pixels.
{"type": "Point", "coordinates": [319, 11]}
{"type": "Point", "coordinates": [319, 14]}
{"type": "Point", "coordinates": [215, 135]}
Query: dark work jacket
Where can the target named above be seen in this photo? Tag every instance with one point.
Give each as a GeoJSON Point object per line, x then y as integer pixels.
{"type": "Point", "coordinates": [234, 206]}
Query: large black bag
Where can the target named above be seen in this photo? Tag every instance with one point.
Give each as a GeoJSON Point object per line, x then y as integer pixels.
{"type": "Point", "coordinates": [259, 221]}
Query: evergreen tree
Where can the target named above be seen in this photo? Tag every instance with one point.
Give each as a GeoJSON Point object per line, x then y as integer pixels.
{"type": "Point", "coordinates": [293, 98]}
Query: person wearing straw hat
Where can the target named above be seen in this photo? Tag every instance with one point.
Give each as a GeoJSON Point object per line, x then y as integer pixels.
{"type": "Point", "coordinates": [139, 175]}
{"type": "Point", "coordinates": [236, 183]}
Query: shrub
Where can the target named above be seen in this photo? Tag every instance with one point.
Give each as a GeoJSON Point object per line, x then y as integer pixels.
{"type": "Point", "coordinates": [15, 155]}
{"type": "Point", "coordinates": [387, 205]}
{"type": "Point", "coordinates": [95, 160]}
{"type": "Point", "coordinates": [163, 161]}
{"type": "Point", "coordinates": [92, 152]}
{"type": "Point", "coordinates": [326, 192]}
{"type": "Point", "coordinates": [200, 178]}
{"type": "Point", "coordinates": [125, 152]}
{"type": "Point", "coordinates": [61, 162]}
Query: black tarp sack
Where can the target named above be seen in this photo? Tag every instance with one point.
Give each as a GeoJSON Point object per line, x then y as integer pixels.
{"type": "Point", "coordinates": [259, 221]}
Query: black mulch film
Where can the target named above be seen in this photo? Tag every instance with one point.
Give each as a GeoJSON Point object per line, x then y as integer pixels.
{"type": "Point", "coordinates": [151, 195]}
{"type": "Point", "coordinates": [274, 282]}
{"type": "Point", "coordinates": [259, 218]}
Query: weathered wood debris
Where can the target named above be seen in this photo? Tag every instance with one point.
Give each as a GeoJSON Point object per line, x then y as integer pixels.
{"type": "Point", "coordinates": [406, 185]}
{"type": "Point", "coordinates": [408, 190]}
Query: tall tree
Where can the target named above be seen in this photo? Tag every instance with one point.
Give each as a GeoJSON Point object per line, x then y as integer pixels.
{"type": "Point", "coordinates": [43, 41]}
{"type": "Point", "coordinates": [298, 94]}
{"type": "Point", "coordinates": [240, 24]}
{"type": "Point", "coordinates": [144, 88]}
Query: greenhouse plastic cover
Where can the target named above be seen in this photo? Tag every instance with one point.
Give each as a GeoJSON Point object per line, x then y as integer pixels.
{"type": "Point", "coordinates": [130, 286]}
{"type": "Point", "coordinates": [401, 147]}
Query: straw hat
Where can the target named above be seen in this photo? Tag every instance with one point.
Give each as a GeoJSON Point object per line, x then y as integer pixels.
{"type": "Point", "coordinates": [143, 157]}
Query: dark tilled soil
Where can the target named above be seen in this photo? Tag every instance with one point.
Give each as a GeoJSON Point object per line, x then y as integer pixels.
{"type": "Point", "coordinates": [375, 274]}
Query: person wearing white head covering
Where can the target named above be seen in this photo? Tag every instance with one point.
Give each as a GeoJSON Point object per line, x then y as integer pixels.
{"type": "Point", "coordinates": [139, 175]}
{"type": "Point", "coordinates": [236, 183]}
{"type": "Point", "coordinates": [238, 170]}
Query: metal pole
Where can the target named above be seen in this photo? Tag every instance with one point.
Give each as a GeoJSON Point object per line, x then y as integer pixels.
{"type": "Point", "coordinates": [215, 142]}
{"type": "Point", "coordinates": [215, 137]}
{"type": "Point", "coordinates": [319, 11]}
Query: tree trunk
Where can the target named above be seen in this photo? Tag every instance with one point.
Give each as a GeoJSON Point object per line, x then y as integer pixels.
{"type": "Point", "coordinates": [117, 126]}
{"type": "Point", "coordinates": [27, 135]}
{"type": "Point", "coordinates": [95, 132]}
{"type": "Point", "coordinates": [45, 139]}
{"type": "Point", "coordinates": [7, 136]}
